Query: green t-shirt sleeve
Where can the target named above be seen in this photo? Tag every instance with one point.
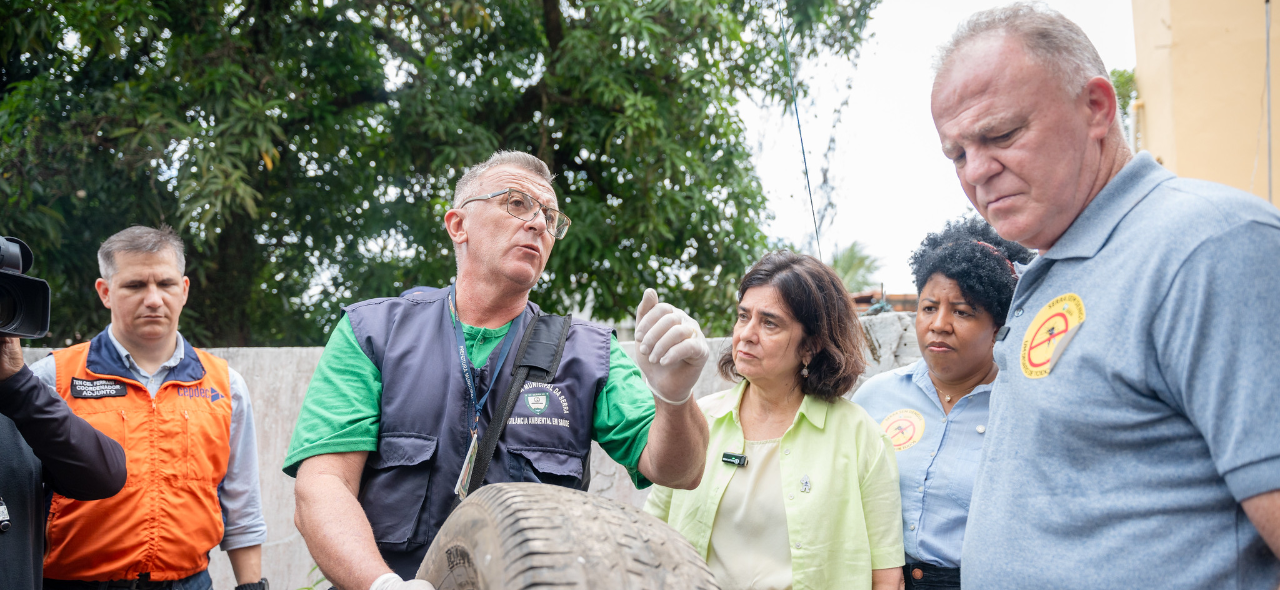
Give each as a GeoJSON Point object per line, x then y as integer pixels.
{"type": "Point", "coordinates": [624, 412]}
{"type": "Point", "coordinates": [342, 409]}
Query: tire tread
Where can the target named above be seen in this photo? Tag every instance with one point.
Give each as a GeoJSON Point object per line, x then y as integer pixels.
{"type": "Point", "coordinates": [557, 538]}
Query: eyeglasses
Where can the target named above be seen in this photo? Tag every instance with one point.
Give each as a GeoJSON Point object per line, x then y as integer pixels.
{"type": "Point", "coordinates": [524, 207]}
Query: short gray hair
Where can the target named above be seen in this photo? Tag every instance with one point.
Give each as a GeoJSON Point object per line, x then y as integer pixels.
{"type": "Point", "coordinates": [1048, 37]}
{"type": "Point", "coordinates": [140, 239]}
{"type": "Point", "coordinates": [521, 160]}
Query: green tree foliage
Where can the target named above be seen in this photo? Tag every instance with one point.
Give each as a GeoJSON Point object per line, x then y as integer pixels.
{"type": "Point", "coordinates": [1126, 92]}
{"type": "Point", "coordinates": [307, 150]}
{"type": "Point", "coordinates": [855, 267]}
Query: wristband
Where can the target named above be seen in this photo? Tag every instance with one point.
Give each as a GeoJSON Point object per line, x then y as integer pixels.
{"type": "Point", "coordinates": [679, 403]}
{"type": "Point", "coordinates": [655, 393]}
{"type": "Point", "coordinates": [259, 585]}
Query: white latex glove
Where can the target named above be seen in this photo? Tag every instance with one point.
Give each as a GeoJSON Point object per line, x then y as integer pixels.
{"type": "Point", "coordinates": [670, 347]}
{"type": "Point", "coordinates": [395, 582]}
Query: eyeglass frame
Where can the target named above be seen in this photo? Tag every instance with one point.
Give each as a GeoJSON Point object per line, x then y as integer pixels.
{"type": "Point", "coordinates": [542, 209]}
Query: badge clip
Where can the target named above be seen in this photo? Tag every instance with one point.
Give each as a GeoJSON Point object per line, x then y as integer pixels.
{"type": "Point", "coordinates": [4, 517]}
{"type": "Point", "coordinates": [734, 459]}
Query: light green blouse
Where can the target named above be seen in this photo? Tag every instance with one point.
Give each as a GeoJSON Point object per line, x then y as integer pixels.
{"type": "Point", "coordinates": [839, 484]}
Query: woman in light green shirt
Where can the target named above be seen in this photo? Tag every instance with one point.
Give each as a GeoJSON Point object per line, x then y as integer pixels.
{"type": "Point", "coordinates": [801, 486]}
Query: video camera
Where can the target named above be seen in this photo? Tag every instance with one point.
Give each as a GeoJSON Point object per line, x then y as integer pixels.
{"type": "Point", "coordinates": [24, 301]}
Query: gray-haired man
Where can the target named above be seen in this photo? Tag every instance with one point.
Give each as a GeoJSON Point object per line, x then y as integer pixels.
{"type": "Point", "coordinates": [393, 406]}
{"type": "Point", "coordinates": [1139, 448]}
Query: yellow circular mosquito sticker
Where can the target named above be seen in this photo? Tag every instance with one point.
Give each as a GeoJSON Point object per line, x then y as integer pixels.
{"type": "Point", "coordinates": [1050, 331]}
{"type": "Point", "coordinates": [904, 427]}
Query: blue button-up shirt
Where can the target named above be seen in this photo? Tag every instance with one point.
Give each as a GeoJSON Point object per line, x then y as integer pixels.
{"type": "Point", "coordinates": [152, 381]}
{"type": "Point", "coordinates": [938, 456]}
{"type": "Point", "coordinates": [1136, 404]}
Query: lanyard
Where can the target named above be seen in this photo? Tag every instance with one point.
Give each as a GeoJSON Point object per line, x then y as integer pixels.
{"type": "Point", "coordinates": [468, 371]}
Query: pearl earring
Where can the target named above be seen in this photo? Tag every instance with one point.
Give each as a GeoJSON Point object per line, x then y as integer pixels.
{"type": "Point", "coordinates": [805, 371]}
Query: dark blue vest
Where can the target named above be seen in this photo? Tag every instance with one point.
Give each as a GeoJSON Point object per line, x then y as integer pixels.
{"type": "Point", "coordinates": [407, 486]}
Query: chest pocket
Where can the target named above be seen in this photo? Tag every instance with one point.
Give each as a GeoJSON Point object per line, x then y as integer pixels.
{"type": "Point", "coordinates": [208, 442]}
{"type": "Point", "coordinates": [547, 436]}
{"type": "Point", "coordinates": [109, 421]}
{"type": "Point", "coordinates": [549, 466]}
{"type": "Point", "coordinates": [112, 419]}
{"type": "Point", "coordinates": [398, 478]}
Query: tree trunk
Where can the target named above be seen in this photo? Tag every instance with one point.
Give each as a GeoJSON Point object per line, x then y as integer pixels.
{"type": "Point", "coordinates": [224, 297]}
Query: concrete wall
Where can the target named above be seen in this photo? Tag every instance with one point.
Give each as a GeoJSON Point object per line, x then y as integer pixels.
{"type": "Point", "coordinates": [278, 377]}
{"type": "Point", "coordinates": [1199, 75]}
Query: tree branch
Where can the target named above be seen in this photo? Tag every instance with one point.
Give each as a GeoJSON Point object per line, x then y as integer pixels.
{"type": "Point", "coordinates": [553, 24]}
{"type": "Point", "coordinates": [399, 46]}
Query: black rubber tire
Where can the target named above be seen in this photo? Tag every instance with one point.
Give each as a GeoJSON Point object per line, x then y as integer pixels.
{"type": "Point", "coordinates": [522, 536]}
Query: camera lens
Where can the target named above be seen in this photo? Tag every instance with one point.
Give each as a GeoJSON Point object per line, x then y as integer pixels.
{"type": "Point", "coordinates": [8, 307]}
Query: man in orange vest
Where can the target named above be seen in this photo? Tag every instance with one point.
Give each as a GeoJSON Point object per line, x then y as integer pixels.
{"type": "Point", "coordinates": [186, 425]}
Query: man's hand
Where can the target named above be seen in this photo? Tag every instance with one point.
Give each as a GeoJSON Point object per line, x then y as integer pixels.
{"type": "Point", "coordinates": [670, 348]}
{"type": "Point", "coordinates": [10, 357]}
{"type": "Point", "coordinates": [671, 351]}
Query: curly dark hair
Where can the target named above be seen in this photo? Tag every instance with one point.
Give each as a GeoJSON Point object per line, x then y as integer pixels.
{"type": "Point", "coordinates": [971, 253]}
{"type": "Point", "coordinates": [816, 297]}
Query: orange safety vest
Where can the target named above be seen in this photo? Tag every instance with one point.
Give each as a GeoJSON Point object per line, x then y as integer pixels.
{"type": "Point", "coordinates": [167, 517]}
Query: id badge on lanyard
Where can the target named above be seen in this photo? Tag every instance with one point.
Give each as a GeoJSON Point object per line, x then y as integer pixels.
{"type": "Point", "coordinates": [469, 379]}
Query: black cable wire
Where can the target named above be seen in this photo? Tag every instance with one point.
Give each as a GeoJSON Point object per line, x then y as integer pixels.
{"type": "Point", "coordinates": [795, 102]}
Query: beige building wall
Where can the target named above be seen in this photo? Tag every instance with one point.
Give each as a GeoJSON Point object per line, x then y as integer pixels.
{"type": "Point", "coordinates": [1200, 79]}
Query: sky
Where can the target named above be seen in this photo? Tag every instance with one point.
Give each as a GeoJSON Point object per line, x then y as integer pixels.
{"type": "Point", "coordinates": [892, 184]}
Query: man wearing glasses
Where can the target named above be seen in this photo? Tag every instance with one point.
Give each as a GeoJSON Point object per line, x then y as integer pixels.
{"type": "Point", "coordinates": [393, 412]}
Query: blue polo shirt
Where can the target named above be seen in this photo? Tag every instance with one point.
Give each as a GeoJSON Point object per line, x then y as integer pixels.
{"type": "Point", "coordinates": [1137, 402]}
{"type": "Point", "coordinates": [937, 453]}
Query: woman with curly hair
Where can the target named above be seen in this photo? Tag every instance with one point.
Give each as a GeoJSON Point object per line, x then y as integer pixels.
{"type": "Point", "coordinates": [935, 410]}
{"type": "Point", "coordinates": [800, 488]}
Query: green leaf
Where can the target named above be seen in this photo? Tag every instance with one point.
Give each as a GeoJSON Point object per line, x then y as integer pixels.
{"type": "Point", "coordinates": [635, 110]}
